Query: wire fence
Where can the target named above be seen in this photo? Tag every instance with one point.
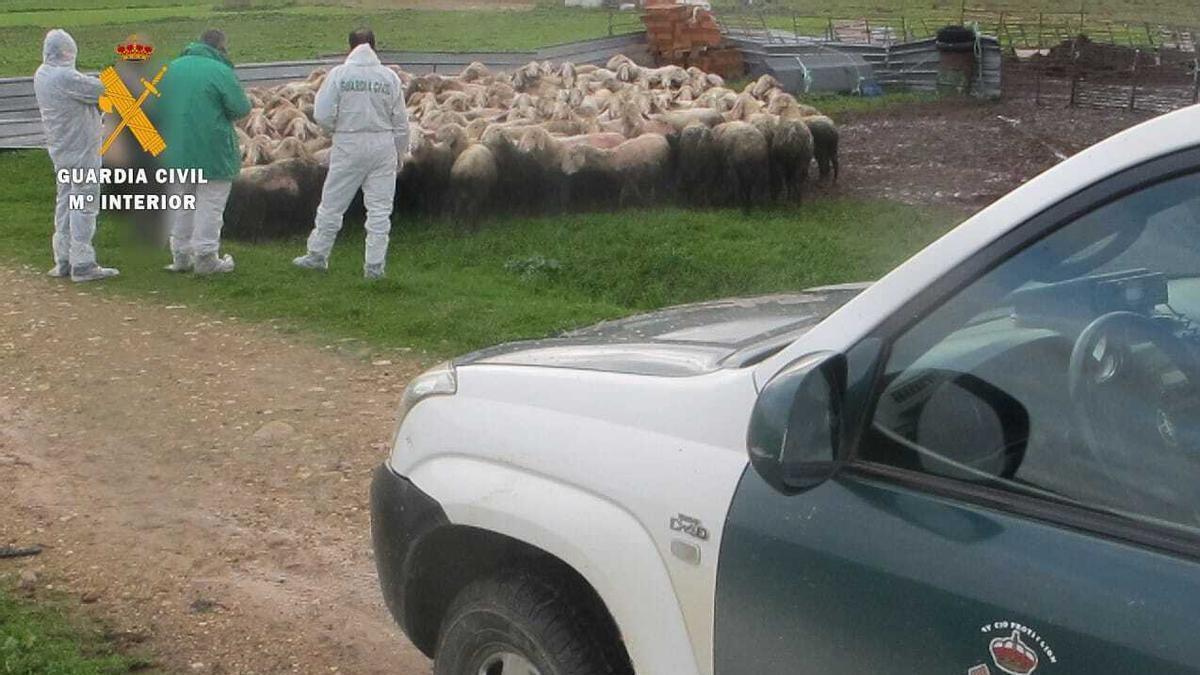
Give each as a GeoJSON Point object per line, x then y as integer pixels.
{"type": "Point", "coordinates": [1065, 58]}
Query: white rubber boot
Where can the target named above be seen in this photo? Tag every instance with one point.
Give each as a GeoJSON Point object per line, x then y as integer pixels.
{"type": "Point", "coordinates": [180, 262]}
{"type": "Point", "coordinates": [373, 271]}
{"type": "Point", "coordinates": [92, 272]}
{"type": "Point", "coordinates": [311, 261]}
{"type": "Point", "coordinates": [60, 271]}
{"type": "Point", "coordinates": [209, 263]}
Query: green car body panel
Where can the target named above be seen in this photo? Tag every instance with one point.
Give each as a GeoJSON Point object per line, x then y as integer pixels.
{"type": "Point", "coordinates": [861, 576]}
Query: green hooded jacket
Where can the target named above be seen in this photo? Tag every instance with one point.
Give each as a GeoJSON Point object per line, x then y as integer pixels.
{"type": "Point", "coordinates": [201, 98]}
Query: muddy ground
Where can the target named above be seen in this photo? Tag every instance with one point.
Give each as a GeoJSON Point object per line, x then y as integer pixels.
{"type": "Point", "coordinates": [202, 484]}
{"type": "Point", "coordinates": [964, 155]}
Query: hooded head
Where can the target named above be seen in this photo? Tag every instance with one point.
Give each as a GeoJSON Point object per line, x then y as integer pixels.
{"type": "Point", "coordinates": [59, 49]}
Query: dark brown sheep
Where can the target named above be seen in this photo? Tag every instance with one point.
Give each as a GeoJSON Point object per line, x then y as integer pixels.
{"type": "Point", "coordinates": [744, 154]}
{"type": "Point", "coordinates": [825, 144]}
{"type": "Point", "coordinates": [699, 165]}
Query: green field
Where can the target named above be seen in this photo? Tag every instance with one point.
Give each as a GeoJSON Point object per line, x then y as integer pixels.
{"type": "Point", "coordinates": [271, 30]}
{"type": "Point", "coordinates": [448, 291]}
{"type": "Point", "coordinates": [293, 32]}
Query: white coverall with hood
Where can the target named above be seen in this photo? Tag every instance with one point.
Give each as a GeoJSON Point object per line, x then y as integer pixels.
{"type": "Point", "coordinates": [362, 103]}
{"type": "Point", "coordinates": [68, 102]}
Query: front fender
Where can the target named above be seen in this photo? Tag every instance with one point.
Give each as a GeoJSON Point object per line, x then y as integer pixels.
{"type": "Point", "coordinates": [603, 542]}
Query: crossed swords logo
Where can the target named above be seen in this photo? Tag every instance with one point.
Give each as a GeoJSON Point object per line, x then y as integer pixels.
{"type": "Point", "coordinates": [117, 97]}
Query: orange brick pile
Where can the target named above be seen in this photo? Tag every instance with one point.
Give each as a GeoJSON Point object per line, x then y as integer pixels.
{"type": "Point", "coordinates": [686, 35]}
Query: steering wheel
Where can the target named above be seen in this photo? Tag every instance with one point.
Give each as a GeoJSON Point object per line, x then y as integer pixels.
{"type": "Point", "coordinates": [1098, 357]}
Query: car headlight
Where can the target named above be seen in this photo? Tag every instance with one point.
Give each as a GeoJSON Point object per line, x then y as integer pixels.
{"type": "Point", "coordinates": [440, 380]}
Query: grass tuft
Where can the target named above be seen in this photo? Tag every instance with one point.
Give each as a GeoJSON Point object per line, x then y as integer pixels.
{"type": "Point", "coordinates": [41, 639]}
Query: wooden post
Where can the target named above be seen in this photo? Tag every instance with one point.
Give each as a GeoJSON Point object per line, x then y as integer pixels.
{"type": "Point", "coordinates": [830, 29]}
{"type": "Point", "coordinates": [1037, 84]}
{"type": "Point", "coordinates": [1074, 73]}
{"type": "Point", "coordinates": [962, 12]}
{"type": "Point", "coordinates": [867, 28]}
{"type": "Point", "coordinates": [1196, 80]}
{"type": "Point", "coordinates": [1134, 84]}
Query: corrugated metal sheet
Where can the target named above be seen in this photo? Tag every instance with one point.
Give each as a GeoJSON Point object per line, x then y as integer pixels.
{"type": "Point", "coordinates": [820, 71]}
{"type": "Point", "coordinates": [907, 65]}
{"type": "Point", "coordinates": [830, 67]}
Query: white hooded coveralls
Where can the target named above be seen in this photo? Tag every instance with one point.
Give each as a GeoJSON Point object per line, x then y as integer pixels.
{"type": "Point", "coordinates": [67, 100]}
{"type": "Point", "coordinates": [362, 103]}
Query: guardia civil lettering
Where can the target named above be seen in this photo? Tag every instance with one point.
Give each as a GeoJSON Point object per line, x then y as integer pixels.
{"type": "Point", "coordinates": [120, 176]}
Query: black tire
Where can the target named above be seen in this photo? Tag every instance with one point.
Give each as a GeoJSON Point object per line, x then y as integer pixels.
{"type": "Point", "coordinates": [542, 617]}
{"type": "Point", "coordinates": [955, 39]}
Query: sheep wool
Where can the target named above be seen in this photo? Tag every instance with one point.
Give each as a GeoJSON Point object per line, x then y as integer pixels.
{"type": "Point", "coordinates": [546, 138]}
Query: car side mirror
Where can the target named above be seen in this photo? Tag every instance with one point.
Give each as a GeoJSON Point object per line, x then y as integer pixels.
{"type": "Point", "coordinates": [797, 427]}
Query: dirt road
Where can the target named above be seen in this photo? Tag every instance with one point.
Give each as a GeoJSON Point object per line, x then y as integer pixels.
{"type": "Point", "coordinates": [200, 483]}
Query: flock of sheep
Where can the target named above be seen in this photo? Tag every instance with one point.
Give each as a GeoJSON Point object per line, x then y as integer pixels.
{"type": "Point", "coordinates": [551, 138]}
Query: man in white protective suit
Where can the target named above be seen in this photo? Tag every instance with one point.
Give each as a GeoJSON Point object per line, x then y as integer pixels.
{"type": "Point", "coordinates": [67, 100]}
{"type": "Point", "coordinates": [361, 102]}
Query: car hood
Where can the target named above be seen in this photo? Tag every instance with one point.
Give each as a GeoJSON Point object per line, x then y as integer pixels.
{"type": "Point", "coordinates": [680, 341]}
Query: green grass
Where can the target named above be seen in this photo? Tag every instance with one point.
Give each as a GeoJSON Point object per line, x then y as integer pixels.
{"type": "Point", "coordinates": [1182, 11]}
{"type": "Point", "coordinates": [44, 639]}
{"type": "Point", "coordinates": [448, 292]}
{"type": "Point", "coordinates": [840, 106]}
{"type": "Point", "coordinates": [292, 32]}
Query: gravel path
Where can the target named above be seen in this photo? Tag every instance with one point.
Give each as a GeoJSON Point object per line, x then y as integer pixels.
{"type": "Point", "coordinates": [199, 483]}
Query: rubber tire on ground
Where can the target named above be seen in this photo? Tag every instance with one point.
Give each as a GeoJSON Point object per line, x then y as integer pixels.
{"type": "Point", "coordinates": [541, 616]}
{"type": "Point", "coordinates": [955, 39]}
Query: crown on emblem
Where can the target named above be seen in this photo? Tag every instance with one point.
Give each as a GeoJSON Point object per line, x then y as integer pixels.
{"type": "Point", "coordinates": [1012, 655]}
{"type": "Point", "coordinates": [132, 50]}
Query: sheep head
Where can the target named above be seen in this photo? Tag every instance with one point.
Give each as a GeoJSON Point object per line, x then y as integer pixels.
{"type": "Point", "coordinates": [566, 72]}
{"type": "Point", "coordinates": [475, 71]}
{"type": "Point", "coordinates": [476, 128]}
{"type": "Point", "coordinates": [760, 87]}
{"type": "Point", "coordinates": [289, 148]}
{"type": "Point", "coordinates": [257, 123]}
{"type": "Point", "coordinates": [455, 137]}
{"type": "Point", "coordinates": [582, 157]}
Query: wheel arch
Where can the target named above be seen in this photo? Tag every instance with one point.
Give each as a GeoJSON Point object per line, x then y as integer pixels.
{"type": "Point", "coordinates": [453, 556]}
{"type": "Point", "coordinates": [519, 516]}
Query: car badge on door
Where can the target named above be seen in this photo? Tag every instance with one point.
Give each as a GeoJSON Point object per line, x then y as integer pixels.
{"type": "Point", "coordinates": [1017, 650]}
{"type": "Point", "coordinates": [689, 525]}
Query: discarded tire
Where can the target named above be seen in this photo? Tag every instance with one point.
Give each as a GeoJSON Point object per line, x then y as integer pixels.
{"type": "Point", "coordinates": [956, 39]}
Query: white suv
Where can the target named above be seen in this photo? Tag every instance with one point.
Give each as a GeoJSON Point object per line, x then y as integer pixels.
{"type": "Point", "coordinates": [985, 462]}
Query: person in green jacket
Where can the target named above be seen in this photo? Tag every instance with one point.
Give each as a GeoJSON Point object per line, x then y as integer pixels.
{"type": "Point", "coordinates": [200, 100]}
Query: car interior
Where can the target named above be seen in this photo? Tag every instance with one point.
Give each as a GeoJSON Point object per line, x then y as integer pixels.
{"type": "Point", "coordinates": [1069, 371]}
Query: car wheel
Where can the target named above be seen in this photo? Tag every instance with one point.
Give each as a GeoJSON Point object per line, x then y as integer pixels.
{"type": "Point", "coordinates": [522, 622]}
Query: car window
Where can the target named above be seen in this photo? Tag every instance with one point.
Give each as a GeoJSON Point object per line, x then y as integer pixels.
{"type": "Point", "coordinates": [1070, 371]}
